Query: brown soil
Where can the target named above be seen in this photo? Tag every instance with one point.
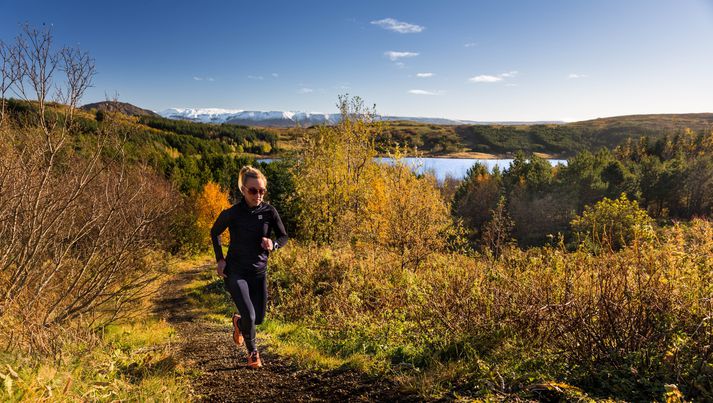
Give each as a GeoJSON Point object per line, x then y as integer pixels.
{"type": "Point", "coordinates": [208, 349]}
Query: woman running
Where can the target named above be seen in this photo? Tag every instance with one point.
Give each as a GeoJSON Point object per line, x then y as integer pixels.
{"type": "Point", "coordinates": [244, 269]}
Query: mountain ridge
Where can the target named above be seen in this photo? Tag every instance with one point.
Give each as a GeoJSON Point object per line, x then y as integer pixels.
{"type": "Point", "coordinates": [297, 118]}
{"type": "Point", "coordinates": [286, 119]}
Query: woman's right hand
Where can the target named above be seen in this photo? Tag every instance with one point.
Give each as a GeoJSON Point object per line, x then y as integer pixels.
{"type": "Point", "coordinates": [221, 268]}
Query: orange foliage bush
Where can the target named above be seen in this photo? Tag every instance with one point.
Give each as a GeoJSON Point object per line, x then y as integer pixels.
{"type": "Point", "coordinates": [209, 204]}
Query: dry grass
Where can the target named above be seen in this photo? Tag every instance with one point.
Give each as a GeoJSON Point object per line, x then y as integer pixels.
{"type": "Point", "coordinates": [129, 360]}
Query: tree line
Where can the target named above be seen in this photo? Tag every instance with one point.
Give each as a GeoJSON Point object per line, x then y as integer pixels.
{"type": "Point", "coordinates": [671, 178]}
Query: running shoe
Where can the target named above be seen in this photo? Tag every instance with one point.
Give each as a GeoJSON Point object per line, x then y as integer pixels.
{"type": "Point", "coordinates": [254, 360]}
{"type": "Point", "coordinates": [237, 336]}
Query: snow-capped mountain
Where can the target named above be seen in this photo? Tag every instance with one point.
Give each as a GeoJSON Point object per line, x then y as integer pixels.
{"type": "Point", "coordinates": [291, 119]}
{"type": "Point", "coordinates": [250, 118]}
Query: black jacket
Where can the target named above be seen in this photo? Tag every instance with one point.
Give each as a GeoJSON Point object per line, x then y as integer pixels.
{"type": "Point", "coordinates": [247, 228]}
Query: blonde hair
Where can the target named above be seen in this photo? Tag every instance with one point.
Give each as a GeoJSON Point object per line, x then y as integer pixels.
{"type": "Point", "coordinates": [247, 172]}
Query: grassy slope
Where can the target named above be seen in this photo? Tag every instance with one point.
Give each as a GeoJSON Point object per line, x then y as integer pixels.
{"type": "Point", "coordinates": [131, 360]}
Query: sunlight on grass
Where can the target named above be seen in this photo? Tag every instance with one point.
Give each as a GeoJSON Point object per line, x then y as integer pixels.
{"type": "Point", "coordinates": [303, 345]}
{"type": "Point", "coordinates": [140, 333]}
{"type": "Point", "coordinates": [130, 360]}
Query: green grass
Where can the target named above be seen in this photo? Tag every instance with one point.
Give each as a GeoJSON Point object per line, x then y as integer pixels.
{"type": "Point", "coordinates": [131, 361]}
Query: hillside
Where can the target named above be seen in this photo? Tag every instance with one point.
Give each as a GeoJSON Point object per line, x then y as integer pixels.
{"type": "Point", "coordinates": [500, 140]}
{"type": "Point", "coordinates": [122, 107]}
{"type": "Point", "coordinates": [654, 124]}
{"type": "Point", "coordinates": [557, 140]}
{"type": "Point", "coordinates": [186, 153]}
{"type": "Point", "coordinates": [447, 140]}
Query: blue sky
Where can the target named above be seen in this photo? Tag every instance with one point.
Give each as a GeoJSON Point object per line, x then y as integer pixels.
{"type": "Point", "coordinates": [478, 60]}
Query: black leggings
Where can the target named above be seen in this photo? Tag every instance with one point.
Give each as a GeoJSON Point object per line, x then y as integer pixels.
{"type": "Point", "coordinates": [249, 292]}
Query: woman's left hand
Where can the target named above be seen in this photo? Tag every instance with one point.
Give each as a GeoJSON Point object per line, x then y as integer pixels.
{"type": "Point", "coordinates": [266, 243]}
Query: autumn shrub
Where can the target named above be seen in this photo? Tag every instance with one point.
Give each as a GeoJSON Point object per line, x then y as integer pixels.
{"type": "Point", "coordinates": [619, 324]}
{"type": "Point", "coordinates": [405, 214]}
{"type": "Point", "coordinates": [345, 196]}
{"type": "Point", "coordinates": [613, 224]}
{"type": "Point", "coordinates": [209, 203]}
{"type": "Point", "coordinates": [334, 174]}
{"type": "Point", "coordinates": [192, 218]}
{"type": "Point", "coordinates": [77, 233]}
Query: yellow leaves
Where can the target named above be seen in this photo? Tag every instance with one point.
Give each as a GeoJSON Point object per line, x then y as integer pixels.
{"type": "Point", "coordinates": [209, 204]}
{"type": "Point", "coordinates": [618, 223]}
{"type": "Point", "coordinates": [8, 385]}
{"type": "Point", "coordinates": [8, 380]}
{"type": "Point", "coordinates": [407, 213]}
{"type": "Point", "coordinates": [347, 196]}
{"type": "Point", "coordinates": [11, 371]}
{"type": "Point", "coordinates": [334, 177]}
{"type": "Point", "coordinates": [672, 394]}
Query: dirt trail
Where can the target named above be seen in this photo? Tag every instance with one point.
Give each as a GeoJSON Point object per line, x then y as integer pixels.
{"type": "Point", "coordinates": [208, 348]}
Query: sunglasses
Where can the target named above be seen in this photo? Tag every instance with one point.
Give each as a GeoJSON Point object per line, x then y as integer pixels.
{"type": "Point", "coordinates": [253, 191]}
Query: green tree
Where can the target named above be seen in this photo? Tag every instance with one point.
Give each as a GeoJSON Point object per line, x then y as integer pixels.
{"type": "Point", "coordinates": [476, 197]}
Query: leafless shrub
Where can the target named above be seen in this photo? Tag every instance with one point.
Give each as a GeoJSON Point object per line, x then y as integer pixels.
{"type": "Point", "coordinates": [77, 228]}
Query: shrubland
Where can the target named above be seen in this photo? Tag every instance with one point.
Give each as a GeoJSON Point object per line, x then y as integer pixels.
{"type": "Point", "coordinates": [590, 280]}
{"type": "Point", "coordinates": [616, 324]}
{"type": "Point", "coordinates": [384, 279]}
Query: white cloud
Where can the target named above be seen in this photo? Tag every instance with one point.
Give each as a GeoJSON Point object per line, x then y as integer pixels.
{"type": "Point", "coordinates": [470, 44]}
{"type": "Point", "coordinates": [198, 78]}
{"type": "Point", "coordinates": [275, 75]}
{"type": "Point", "coordinates": [203, 78]}
{"type": "Point", "coordinates": [210, 79]}
{"type": "Point", "coordinates": [424, 92]}
{"type": "Point", "coordinates": [576, 75]}
{"type": "Point", "coordinates": [394, 56]}
{"type": "Point", "coordinates": [256, 77]}
{"type": "Point", "coordinates": [305, 90]}
{"type": "Point", "coordinates": [424, 75]}
{"type": "Point", "coordinates": [484, 78]}
{"type": "Point", "coordinates": [398, 26]}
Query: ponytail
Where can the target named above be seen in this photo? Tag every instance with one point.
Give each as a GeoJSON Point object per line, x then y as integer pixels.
{"type": "Point", "coordinates": [247, 172]}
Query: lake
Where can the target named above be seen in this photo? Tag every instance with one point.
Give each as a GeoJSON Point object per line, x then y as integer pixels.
{"type": "Point", "coordinates": [454, 167]}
